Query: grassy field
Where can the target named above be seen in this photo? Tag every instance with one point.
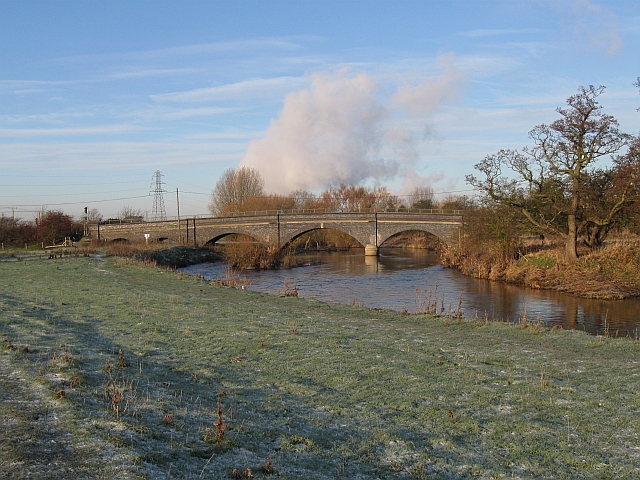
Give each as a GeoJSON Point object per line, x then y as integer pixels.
{"type": "Point", "coordinates": [113, 370]}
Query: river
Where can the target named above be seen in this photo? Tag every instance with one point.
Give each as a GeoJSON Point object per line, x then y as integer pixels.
{"type": "Point", "coordinates": [403, 279]}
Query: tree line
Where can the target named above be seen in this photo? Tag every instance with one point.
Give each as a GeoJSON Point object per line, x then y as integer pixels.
{"type": "Point", "coordinates": [242, 190]}
{"type": "Point", "coordinates": [50, 228]}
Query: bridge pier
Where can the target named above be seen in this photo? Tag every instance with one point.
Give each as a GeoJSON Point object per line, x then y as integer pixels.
{"type": "Point", "coordinates": [370, 250]}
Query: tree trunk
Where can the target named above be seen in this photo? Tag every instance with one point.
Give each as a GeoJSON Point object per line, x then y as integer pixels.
{"type": "Point", "coordinates": [571, 251]}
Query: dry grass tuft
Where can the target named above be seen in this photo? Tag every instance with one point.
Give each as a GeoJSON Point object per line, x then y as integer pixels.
{"type": "Point", "coordinates": [289, 290]}
{"type": "Point", "coordinates": [219, 424]}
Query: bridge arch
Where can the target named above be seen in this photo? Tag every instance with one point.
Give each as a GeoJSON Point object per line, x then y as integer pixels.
{"type": "Point", "coordinates": [447, 230]}
{"type": "Point", "coordinates": [318, 229]}
{"type": "Point", "coordinates": [388, 236]}
{"type": "Point", "coordinates": [422, 238]}
{"type": "Point", "coordinates": [217, 238]}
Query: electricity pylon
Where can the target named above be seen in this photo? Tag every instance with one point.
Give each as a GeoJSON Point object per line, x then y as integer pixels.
{"type": "Point", "coordinates": [158, 212]}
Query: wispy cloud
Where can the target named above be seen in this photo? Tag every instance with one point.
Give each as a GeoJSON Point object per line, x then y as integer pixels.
{"type": "Point", "coordinates": [197, 112]}
{"type": "Point", "coordinates": [24, 87]}
{"type": "Point", "coordinates": [49, 118]}
{"type": "Point", "coordinates": [117, 155]}
{"type": "Point", "coordinates": [148, 72]}
{"type": "Point", "coordinates": [595, 25]}
{"type": "Point", "coordinates": [71, 131]}
{"type": "Point", "coordinates": [483, 32]}
{"type": "Point", "coordinates": [251, 46]}
{"type": "Point", "coordinates": [257, 88]}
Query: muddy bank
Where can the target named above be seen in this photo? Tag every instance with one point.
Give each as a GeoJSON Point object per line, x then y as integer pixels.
{"type": "Point", "coordinates": [178, 257]}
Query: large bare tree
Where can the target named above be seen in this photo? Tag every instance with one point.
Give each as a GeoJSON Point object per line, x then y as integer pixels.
{"type": "Point", "coordinates": [235, 188]}
{"type": "Point", "coordinates": [546, 182]}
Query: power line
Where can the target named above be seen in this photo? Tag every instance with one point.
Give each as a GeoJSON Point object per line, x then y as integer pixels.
{"type": "Point", "coordinates": [67, 184]}
{"type": "Point", "coordinates": [66, 194]}
{"type": "Point", "coordinates": [70, 175]}
{"type": "Point", "coordinates": [73, 203]}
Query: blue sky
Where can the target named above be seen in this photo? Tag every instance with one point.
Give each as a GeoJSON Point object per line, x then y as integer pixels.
{"type": "Point", "coordinates": [95, 96]}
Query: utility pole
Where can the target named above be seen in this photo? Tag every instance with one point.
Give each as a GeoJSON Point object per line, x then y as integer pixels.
{"type": "Point", "coordinates": [178, 205]}
{"type": "Point", "coordinates": [159, 212]}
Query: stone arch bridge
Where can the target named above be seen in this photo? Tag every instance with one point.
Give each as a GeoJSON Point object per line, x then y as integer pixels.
{"type": "Point", "coordinates": [278, 229]}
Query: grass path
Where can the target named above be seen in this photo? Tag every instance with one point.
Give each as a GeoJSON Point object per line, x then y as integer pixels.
{"type": "Point", "coordinates": [117, 371]}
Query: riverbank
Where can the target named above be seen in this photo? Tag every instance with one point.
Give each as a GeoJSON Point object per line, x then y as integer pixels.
{"type": "Point", "coordinates": [175, 256]}
{"type": "Point", "coordinates": [114, 369]}
{"type": "Point", "coordinates": [609, 273]}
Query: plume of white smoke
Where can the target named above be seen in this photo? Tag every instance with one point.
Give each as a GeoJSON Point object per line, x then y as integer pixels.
{"type": "Point", "coordinates": [342, 127]}
{"type": "Point", "coordinates": [424, 97]}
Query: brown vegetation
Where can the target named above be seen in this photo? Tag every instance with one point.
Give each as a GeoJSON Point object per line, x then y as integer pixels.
{"type": "Point", "coordinates": [610, 272]}
{"type": "Point", "coordinates": [249, 255]}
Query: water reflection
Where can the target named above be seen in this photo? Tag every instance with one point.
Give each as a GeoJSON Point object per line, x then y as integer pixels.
{"type": "Point", "coordinates": [402, 279]}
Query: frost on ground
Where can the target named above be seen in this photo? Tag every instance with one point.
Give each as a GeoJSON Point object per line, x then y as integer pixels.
{"type": "Point", "coordinates": [36, 442]}
{"type": "Point", "coordinates": [144, 374]}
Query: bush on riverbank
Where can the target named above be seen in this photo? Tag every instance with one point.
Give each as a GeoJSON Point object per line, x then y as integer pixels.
{"type": "Point", "coordinates": [609, 272]}
{"type": "Point", "coordinates": [249, 255]}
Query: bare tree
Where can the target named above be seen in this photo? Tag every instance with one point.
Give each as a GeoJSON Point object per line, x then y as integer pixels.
{"type": "Point", "coordinates": [304, 200]}
{"type": "Point", "coordinates": [235, 187]}
{"type": "Point", "coordinates": [94, 216]}
{"type": "Point", "coordinates": [421, 198]}
{"type": "Point", "coordinates": [549, 177]}
{"type": "Point", "coordinates": [131, 214]}
{"type": "Point", "coordinates": [455, 202]}
{"type": "Point", "coordinates": [383, 200]}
